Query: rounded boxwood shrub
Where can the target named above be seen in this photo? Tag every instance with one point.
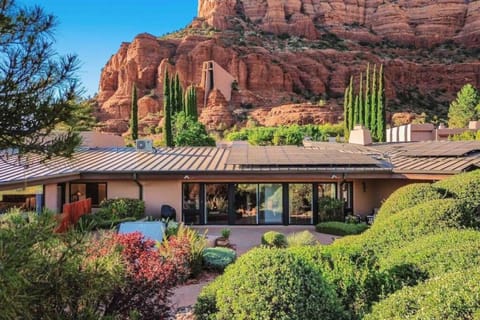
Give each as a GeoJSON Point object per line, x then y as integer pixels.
{"type": "Point", "coordinates": [423, 219]}
{"type": "Point", "coordinates": [452, 296]}
{"type": "Point", "coordinates": [341, 228]}
{"type": "Point", "coordinates": [270, 283]}
{"type": "Point", "coordinates": [206, 306]}
{"type": "Point", "coordinates": [433, 255]}
{"type": "Point", "coordinates": [407, 197]}
{"type": "Point", "coordinates": [218, 258]}
{"type": "Point", "coordinates": [353, 272]}
{"type": "Point", "coordinates": [465, 187]}
{"type": "Point", "coordinates": [274, 239]}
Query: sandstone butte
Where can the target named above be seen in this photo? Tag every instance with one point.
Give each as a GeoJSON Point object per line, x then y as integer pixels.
{"type": "Point", "coordinates": [284, 54]}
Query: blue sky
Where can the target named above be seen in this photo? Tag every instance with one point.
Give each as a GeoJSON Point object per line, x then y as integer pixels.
{"type": "Point", "coordinates": [94, 29]}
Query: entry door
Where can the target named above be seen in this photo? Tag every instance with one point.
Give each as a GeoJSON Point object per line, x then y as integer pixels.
{"type": "Point", "coordinates": [270, 204]}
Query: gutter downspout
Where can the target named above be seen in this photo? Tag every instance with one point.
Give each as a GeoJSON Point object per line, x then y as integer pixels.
{"type": "Point", "coordinates": [140, 186]}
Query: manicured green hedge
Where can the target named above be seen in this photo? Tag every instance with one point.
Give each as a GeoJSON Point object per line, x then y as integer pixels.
{"type": "Point", "coordinates": [450, 297]}
{"type": "Point", "coordinates": [341, 228]}
{"type": "Point", "coordinates": [122, 208]}
{"type": "Point", "coordinates": [352, 270]}
{"type": "Point", "coordinates": [218, 258]}
{"type": "Point", "coordinates": [433, 255]}
{"type": "Point", "coordinates": [465, 187]}
{"type": "Point", "coordinates": [274, 239]}
{"type": "Point", "coordinates": [269, 283]}
{"type": "Point", "coordinates": [423, 219]}
{"type": "Point", "coordinates": [407, 197]}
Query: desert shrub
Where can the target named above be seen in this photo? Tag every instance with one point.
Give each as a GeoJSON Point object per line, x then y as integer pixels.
{"type": "Point", "coordinates": [274, 239]}
{"type": "Point", "coordinates": [423, 219]}
{"type": "Point", "coordinates": [407, 197]}
{"type": "Point", "coordinates": [451, 296]}
{"type": "Point", "coordinates": [186, 250]}
{"type": "Point", "coordinates": [218, 258]}
{"type": "Point", "coordinates": [120, 208]}
{"type": "Point", "coordinates": [433, 255]}
{"type": "Point", "coordinates": [465, 187]}
{"type": "Point", "coordinates": [270, 283]}
{"type": "Point", "coordinates": [299, 239]}
{"type": "Point", "coordinates": [51, 276]}
{"type": "Point", "coordinates": [341, 228]}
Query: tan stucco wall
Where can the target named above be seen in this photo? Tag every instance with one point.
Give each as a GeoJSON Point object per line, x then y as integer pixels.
{"type": "Point", "coordinates": [158, 193]}
{"type": "Point", "coordinates": [122, 189]}
{"type": "Point", "coordinates": [51, 198]}
{"type": "Point", "coordinates": [376, 192]}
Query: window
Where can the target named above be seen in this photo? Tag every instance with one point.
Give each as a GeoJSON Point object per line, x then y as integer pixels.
{"type": "Point", "coordinates": [300, 197]}
{"type": "Point", "coordinates": [216, 203]}
{"type": "Point", "coordinates": [329, 207]}
{"type": "Point", "coordinates": [94, 190]}
{"type": "Point", "coordinates": [191, 203]}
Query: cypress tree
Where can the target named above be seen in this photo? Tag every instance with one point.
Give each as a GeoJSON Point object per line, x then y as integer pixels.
{"type": "Point", "coordinates": [191, 103]}
{"type": "Point", "coordinates": [178, 94]}
{"type": "Point", "coordinates": [167, 111]}
{"type": "Point", "coordinates": [356, 110]}
{"type": "Point", "coordinates": [373, 104]}
{"type": "Point", "coordinates": [346, 117]}
{"type": "Point", "coordinates": [351, 113]}
{"type": "Point", "coordinates": [380, 107]}
{"type": "Point", "coordinates": [367, 98]}
{"type": "Point", "coordinates": [361, 110]}
{"type": "Point", "coordinates": [134, 115]}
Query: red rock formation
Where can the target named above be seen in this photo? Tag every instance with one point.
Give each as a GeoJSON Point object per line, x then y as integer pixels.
{"type": "Point", "coordinates": [273, 71]}
{"type": "Point", "coordinates": [216, 115]}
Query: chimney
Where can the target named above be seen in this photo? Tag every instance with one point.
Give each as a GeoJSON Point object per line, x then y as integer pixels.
{"type": "Point", "coordinates": [360, 135]}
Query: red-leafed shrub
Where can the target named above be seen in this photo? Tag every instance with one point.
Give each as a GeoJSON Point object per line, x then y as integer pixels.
{"type": "Point", "coordinates": [148, 278]}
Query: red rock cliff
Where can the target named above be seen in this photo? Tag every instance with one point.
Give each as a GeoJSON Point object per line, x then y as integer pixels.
{"type": "Point", "coordinates": [340, 37]}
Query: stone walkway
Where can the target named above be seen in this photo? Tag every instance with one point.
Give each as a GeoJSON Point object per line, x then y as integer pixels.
{"type": "Point", "coordinates": [244, 238]}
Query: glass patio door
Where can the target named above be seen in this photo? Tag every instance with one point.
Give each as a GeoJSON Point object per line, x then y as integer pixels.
{"type": "Point", "coordinates": [270, 204]}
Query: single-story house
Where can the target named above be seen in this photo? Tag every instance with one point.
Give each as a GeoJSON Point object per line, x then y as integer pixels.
{"type": "Point", "coordinates": [238, 183]}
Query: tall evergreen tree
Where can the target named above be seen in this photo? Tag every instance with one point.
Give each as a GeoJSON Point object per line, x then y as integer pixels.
{"type": "Point", "coordinates": [178, 94]}
{"type": "Point", "coordinates": [191, 102]}
{"type": "Point", "coordinates": [361, 110]}
{"type": "Point", "coordinates": [366, 104]}
{"type": "Point", "coordinates": [37, 86]}
{"type": "Point", "coordinates": [134, 114]}
{"type": "Point", "coordinates": [465, 108]}
{"type": "Point", "coordinates": [167, 111]}
{"type": "Point", "coordinates": [351, 109]}
{"type": "Point", "coordinates": [346, 116]}
{"type": "Point", "coordinates": [381, 126]}
{"type": "Point", "coordinates": [373, 104]}
{"type": "Point", "coordinates": [356, 111]}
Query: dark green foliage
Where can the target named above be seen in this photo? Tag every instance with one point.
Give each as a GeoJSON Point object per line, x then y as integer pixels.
{"type": "Point", "coordinates": [177, 95]}
{"type": "Point", "coordinates": [373, 103]}
{"type": "Point", "coordinates": [346, 114]}
{"type": "Point", "coordinates": [218, 258]}
{"type": "Point", "coordinates": [465, 187]}
{"type": "Point", "coordinates": [380, 113]}
{"type": "Point", "coordinates": [449, 297]}
{"type": "Point", "coordinates": [465, 108]}
{"type": "Point", "coordinates": [189, 132]}
{"type": "Point", "coordinates": [134, 114]}
{"type": "Point", "coordinates": [123, 207]}
{"type": "Point", "coordinates": [423, 219]}
{"type": "Point", "coordinates": [366, 105]}
{"type": "Point", "coordinates": [269, 284]}
{"type": "Point", "coordinates": [356, 111]}
{"type": "Point", "coordinates": [167, 112]}
{"type": "Point", "coordinates": [37, 86]}
{"type": "Point", "coordinates": [191, 102]}
{"type": "Point", "coordinates": [361, 109]}
{"type": "Point", "coordinates": [330, 209]}
{"type": "Point", "coordinates": [341, 228]}
{"type": "Point", "coordinates": [351, 111]}
{"type": "Point", "coordinates": [352, 270]}
{"type": "Point", "coordinates": [51, 276]}
{"type": "Point", "coordinates": [274, 239]}
{"type": "Point", "coordinates": [81, 119]}
{"type": "Point", "coordinates": [433, 255]}
{"type": "Point", "coordinates": [407, 197]}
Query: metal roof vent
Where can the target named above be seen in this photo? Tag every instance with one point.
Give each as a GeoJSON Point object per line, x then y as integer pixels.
{"type": "Point", "coordinates": [145, 145]}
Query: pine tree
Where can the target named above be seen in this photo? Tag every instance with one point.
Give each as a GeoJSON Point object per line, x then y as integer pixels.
{"type": "Point", "coordinates": [373, 104]}
{"type": "Point", "coordinates": [134, 115]}
{"type": "Point", "coordinates": [167, 111]}
{"type": "Point", "coordinates": [380, 108]}
{"type": "Point", "coordinates": [464, 108]}
{"type": "Point", "coordinates": [361, 110]}
{"type": "Point", "coordinates": [351, 109]}
{"type": "Point", "coordinates": [366, 105]}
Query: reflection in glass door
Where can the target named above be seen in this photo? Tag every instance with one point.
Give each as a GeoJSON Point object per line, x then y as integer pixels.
{"type": "Point", "coordinates": [246, 204]}
{"type": "Point", "coordinates": [270, 204]}
{"type": "Point", "coordinates": [191, 203]}
{"type": "Point", "coordinates": [300, 203]}
{"type": "Point", "coordinates": [216, 203]}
